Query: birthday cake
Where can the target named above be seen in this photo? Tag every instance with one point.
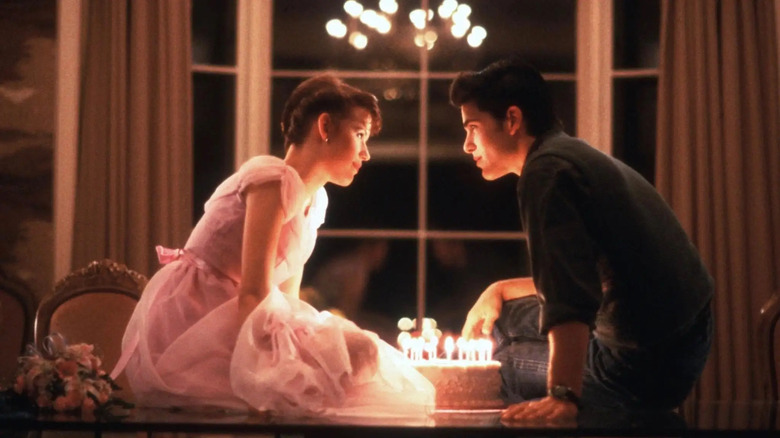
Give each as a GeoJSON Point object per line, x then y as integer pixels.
{"type": "Point", "coordinates": [468, 380]}
{"type": "Point", "coordinates": [463, 386]}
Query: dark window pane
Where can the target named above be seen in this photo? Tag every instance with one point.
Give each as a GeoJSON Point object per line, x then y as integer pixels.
{"type": "Point", "coordinates": [300, 39]}
{"type": "Point", "coordinates": [214, 135]}
{"type": "Point", "coordinates": [460, 199]}
{"type": "Point", "coordinates": [370, 281]}
{"type": "Point", "coordinates": [565, 100]}
{"type": "Point", "coordinates": [445, 127]}
{"type": "Point", "coordinates": [460, 270]}
{"type": "Point", "coordinates": [214, 32]}
{"type": "Point", "coordinates": [637, 30]}
{"type": "Point", "coordinates": [383, 195]}
{"type": "Point", "coordinates": [634, 124]}
{"type": "Point", "coordinates": [542, 32]}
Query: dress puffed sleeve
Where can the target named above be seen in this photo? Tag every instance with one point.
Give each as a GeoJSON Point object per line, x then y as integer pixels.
{"type": "Point", "coordinates": [263, 169]}
{"type": "Point", "coordinates": [319, 207]}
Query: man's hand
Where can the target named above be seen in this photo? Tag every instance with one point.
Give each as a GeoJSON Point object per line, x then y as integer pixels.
{"type": "Point", "coordinates": [546, 410]}
{"type": "Point", "coordinates": [484, 313]}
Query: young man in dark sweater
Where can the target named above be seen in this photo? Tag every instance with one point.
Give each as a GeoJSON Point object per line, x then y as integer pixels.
{"type": "Point", "coordinates": [616, 314]}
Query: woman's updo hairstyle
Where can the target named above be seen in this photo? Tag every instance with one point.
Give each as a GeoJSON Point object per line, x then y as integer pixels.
{"type": "Point", "coordinates": [324, 94]}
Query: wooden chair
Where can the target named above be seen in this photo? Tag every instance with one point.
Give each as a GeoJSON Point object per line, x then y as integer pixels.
{"type": "Point", "coordinates": [17, 313]}
{"type": "Point", "coordinates": [93, 305]}
{"type": "Point", "coordinates": [767, 324]}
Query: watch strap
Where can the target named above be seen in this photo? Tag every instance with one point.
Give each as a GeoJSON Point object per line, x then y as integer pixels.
{"type": "Point", "coordinates": [562, 392]}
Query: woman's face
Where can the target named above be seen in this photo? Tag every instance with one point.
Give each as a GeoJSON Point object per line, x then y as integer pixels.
{"type": "Point", "coordinates": [346, 149]}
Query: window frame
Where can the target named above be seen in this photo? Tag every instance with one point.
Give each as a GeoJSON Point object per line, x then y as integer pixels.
{"type": "Point", "coordinates": [593, 77]}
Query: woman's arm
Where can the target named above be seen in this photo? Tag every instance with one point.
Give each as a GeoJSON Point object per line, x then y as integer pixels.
{"type": "Point", "coordinates": [262, 226]}
{"type": "Point", "coordinates": [292, 286]}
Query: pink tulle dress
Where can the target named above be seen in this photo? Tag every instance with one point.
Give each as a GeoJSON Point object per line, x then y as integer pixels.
{"type": "Point", "coordinates": [185, 346]}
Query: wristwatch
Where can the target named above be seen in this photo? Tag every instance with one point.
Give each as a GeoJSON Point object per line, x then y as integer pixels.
{"type": "Point", "coordinates": [562, 392]}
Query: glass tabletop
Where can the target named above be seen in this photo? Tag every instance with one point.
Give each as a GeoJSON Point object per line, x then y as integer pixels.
{"type": "Point", "coordinates": [702, 419]}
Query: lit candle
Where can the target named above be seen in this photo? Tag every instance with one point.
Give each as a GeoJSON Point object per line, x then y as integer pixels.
{"type": "Point", "coordinates": [461, 343]}
{"type": "Point", "coordinates": [449, 346]}
{"type": "Point", "coordinates": [472, 349]}
{"type": "Point", "coordinates": [432, 347]}
{"type": "Point", "coordinates": [483, 350]}
{"type": "Point", "coordinates": [405, 347]}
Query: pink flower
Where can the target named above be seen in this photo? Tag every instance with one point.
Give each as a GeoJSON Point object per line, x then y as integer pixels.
{"type": "Point", "coordinates": [66, 367]}
{"type": "Point", "coordinates": [61, 404]}
{"type": "Point", "coordinates": [103, 395]}
{"type": "Point", "coordinates": [95, 362]}
{"type": "Point", "coordinates": [74, 397]}
{"type": "Point", "coordinates": [42, 401]}
{"type": "Point", "coordinates": [88, 406]}
{"type": "Point", "coordinates": [19, 384]}
{"type": "Point", "coordinates": [32, 373]}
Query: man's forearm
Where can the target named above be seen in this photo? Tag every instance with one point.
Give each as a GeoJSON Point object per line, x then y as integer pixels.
{"type": "Point", "coordinates": [568, 348]}
{"type": "Point", "coordinates": [516, 288]}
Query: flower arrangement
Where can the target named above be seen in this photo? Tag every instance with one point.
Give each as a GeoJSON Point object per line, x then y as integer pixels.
{"type": "Point", "coordinates": [66, 379]}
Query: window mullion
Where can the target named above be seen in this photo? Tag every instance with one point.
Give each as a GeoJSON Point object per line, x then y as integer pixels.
{"type": "Point", "coordinates": [594, 72]}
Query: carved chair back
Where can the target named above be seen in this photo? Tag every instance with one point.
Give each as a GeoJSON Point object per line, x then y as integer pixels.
{"type": "Point", "coordinates": [92, 305]}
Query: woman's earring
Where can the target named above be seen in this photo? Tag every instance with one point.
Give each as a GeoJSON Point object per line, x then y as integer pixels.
{"type": "Point", "coordinates": [327, 139]}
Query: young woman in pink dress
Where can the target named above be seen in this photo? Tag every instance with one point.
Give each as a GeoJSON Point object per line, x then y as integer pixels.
{"type": "Point", "coordinates": [221, 324]}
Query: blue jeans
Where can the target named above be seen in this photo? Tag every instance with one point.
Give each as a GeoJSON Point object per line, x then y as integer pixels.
{"type": "Point", "coordinates": [656, 378]}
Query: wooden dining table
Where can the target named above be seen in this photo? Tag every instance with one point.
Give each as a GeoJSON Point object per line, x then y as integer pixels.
{"type": "Point", "coordinates": [705, 419]}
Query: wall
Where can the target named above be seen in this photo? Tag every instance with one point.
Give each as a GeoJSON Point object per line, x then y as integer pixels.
{"type": "Point", "coordinates": [27, 90]}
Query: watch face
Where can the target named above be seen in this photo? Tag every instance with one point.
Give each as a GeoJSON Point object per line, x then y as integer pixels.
{"type": "Point", "coordinates": [559, 392]}
{"type": "Point", "coordinates": [564, 393]}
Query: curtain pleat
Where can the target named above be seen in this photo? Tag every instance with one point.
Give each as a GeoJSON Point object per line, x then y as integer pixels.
{"type": "Point", "coordinates": [717, 166]}
{"type": "Point", "coordinates": [134, 187]}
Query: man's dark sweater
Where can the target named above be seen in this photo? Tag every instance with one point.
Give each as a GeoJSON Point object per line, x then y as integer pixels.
{"type": "Point", "coordinates": [605, 248]}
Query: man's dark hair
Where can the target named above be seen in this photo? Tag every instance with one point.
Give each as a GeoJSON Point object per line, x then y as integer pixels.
{"type": "Point", "coordinates": [505, 83]}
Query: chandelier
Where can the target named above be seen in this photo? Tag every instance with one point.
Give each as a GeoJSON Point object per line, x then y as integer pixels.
{"type": "Point", "coordinates": [453, 17]}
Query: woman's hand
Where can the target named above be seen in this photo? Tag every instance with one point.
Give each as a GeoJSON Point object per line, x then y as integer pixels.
{"type": "Point", "coordinates": [545, 410]}
{"type": "Point", "coordinates": [482, 316]}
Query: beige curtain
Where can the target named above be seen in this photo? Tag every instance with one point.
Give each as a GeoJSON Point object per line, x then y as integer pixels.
{"type": "Point", "coordinates": [135, 153]}
{"type": "Point", "coordinates": [718, 165]}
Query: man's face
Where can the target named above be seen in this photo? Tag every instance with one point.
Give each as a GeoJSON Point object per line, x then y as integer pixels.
{"type": "Point", "coordinates": [487, 141]}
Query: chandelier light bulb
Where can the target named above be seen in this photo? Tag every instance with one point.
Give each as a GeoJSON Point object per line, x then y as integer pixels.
{"type": "Point", "coordinates": [353, 8]}
{"type": "Point", "coordinates": [358, 40]}
{"type": "Point", "coordinates": [336, 28]}
{"type": "Point", "coordinates": [417, 17]}
{"type": "Point", "coordinates": [459, 28]}
{"type": "Point", "coordinates": [388, 6]}
{"type": "Point", "coordinates": [479, 32]}
{"type": "Point", "coordinates": [369, 17]}
{"type": "Point", "coordinates": [463, 10]}
{"type": "Point", "coordinates": [383, 25]}
{"type": "Point", "coordinates": [446, 8]}
{"type": "Point", "coordinates": [473, 40]}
